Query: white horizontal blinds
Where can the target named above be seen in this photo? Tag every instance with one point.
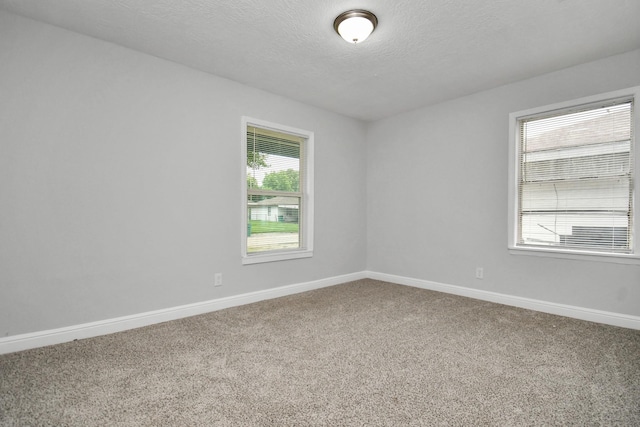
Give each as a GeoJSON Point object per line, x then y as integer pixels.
{"type": "Point", "coordinates": [576, 179]}
{"type": "Point", "coordinates": [274, 182]}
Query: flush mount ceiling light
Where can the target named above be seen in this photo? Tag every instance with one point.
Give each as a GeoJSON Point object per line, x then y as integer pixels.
{"type": "Point", "coordinates": [355, 25]}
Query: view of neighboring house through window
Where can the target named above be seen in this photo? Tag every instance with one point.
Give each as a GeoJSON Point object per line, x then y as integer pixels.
{"type": "Point", "coordinates": [278, 223]}
{"type": "Point", "coordinates": [575, 178]}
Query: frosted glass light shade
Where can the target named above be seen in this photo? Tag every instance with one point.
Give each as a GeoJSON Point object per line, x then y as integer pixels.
{"type": "Point", "coordinates": [355, 30]}
{"type": "Point", "coordinates": [355, 25]}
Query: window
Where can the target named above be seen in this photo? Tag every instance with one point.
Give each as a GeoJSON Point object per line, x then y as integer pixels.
{"type": "Point", "coordinates": [277, 192]}
{"type": "Point", "coordinates": [572, 178]}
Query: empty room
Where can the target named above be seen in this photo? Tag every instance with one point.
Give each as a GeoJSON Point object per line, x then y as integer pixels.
{"type": "Point", "coordinates": [331, 213]}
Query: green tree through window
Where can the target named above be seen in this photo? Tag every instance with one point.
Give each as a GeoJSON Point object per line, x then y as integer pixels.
{"type": "Point", "coordinates": [287, 180]}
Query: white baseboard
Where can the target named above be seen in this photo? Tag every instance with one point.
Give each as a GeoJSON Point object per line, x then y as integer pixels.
{"type": "Point", "coordinates": [87, 330]}
{"type": "Point", "coordinates": [598, 316]}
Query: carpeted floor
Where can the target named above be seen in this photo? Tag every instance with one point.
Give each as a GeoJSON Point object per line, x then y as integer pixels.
{"type": "Point", "coordinates": [362, 353]}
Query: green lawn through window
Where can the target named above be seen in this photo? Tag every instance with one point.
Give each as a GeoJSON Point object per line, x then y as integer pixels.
{"type": "Point", "coordinates": [273, 227]}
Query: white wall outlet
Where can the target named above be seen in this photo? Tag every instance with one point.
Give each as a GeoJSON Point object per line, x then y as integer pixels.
{"type": "Point", "coordinates": [479, 273]}
{"type": "Point", "coordinates": [217, 279]}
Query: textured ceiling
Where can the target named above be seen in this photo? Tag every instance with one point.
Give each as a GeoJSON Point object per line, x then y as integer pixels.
{"type": "Point", "coordinates": [422, 52]}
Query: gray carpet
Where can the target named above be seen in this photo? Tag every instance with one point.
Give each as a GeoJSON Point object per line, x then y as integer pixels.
{"type": "Point", "coordinates": [362, 353]}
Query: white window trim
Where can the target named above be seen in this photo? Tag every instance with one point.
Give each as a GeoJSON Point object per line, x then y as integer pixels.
{"type": "Point", "coordinates": [514, 147]}
{"type": "Point", "coordinates": [307, 195]}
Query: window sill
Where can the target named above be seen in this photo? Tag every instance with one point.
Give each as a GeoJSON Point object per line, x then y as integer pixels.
{"type": "Point", "coordinates": [581, 256]}
{"type": "Point", "coordinates": [278, 256]}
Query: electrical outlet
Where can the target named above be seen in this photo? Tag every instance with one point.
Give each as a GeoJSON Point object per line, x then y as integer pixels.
{"type": "Point", "coordinates": [479, 273]}
{"type": "Point", "coordinates": [217, 280]}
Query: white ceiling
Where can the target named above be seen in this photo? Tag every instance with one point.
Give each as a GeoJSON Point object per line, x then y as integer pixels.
{"type": "Point", "coordinates": [423, 51]}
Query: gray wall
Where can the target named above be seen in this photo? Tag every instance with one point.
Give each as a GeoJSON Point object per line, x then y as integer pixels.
{"type": "Point", "coordinates": [437, 195]}
{"type": "Point", "coordinates": [120, 182]}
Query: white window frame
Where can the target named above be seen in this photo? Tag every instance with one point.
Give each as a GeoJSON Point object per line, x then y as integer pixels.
{"type": "Point", "coordinates": [514, 170]}
{"type": "Point", "coordinates": [306, 217]}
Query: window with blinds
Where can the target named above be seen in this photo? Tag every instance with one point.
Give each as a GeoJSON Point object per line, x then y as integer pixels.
{"type": "Point", "coordinates": [277, 187]}
{"type": "Point", "coordinates": [575, 178]}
